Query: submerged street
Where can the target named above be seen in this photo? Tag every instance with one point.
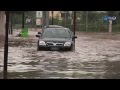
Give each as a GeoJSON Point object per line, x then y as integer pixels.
{"type": "Point", "coordinates": [97, 56]}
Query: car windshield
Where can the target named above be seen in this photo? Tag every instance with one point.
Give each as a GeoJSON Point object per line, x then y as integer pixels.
{"type": "Point", "coordinates": [56, 33]}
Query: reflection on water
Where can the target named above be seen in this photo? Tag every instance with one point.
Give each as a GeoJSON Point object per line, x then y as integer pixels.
{"type": "Point", "coordinates": [112, 70]}
{"type": "Point", "coordinates": [64, 70]}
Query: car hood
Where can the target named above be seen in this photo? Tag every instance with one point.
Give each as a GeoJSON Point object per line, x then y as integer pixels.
{"type": "Point", "coordinates": [56, 39]}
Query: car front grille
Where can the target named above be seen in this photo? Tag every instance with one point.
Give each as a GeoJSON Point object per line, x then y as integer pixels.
{"type": "Point", "coordinates": [54, 44]}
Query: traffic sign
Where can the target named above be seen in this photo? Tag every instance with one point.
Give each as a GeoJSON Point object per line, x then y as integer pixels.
{"type": "Point", "coordinates": [107, 18]}
{"type": "Point", "coordinates": [39, 14]}
{"type": "Point", "coordinates": [113, 18]}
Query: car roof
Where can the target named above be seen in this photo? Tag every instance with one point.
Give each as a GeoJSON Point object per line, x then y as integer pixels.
{"type": "Point", "coordinates": [57, 28]}
{"type": "Point", "coordinates": [53, 26]}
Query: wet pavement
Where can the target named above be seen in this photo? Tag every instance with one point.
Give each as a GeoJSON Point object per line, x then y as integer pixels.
{"type": "Point", "coordinates": [97, 56]}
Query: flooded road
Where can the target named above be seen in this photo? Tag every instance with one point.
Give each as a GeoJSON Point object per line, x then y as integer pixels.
{"type": "Point", "coordinates": [97, 56]}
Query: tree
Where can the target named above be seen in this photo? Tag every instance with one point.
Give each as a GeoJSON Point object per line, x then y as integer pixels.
{"type": "Point", "coordinates": [20, 13]}
{"type": "Point", "coordinates": [6, 46]}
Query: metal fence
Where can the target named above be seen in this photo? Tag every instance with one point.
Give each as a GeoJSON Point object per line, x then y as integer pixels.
{"type": "Point", "coordinates": [86, 22]}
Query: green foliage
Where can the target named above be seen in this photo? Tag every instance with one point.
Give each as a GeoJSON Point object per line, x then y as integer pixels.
{"type": "Point", "coordinates": [17, 18]}
{"type": "Point", "coordinates": [95, 22]}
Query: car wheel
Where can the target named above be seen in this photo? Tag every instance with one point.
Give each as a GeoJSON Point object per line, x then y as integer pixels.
{"type": "Point", "coordinates": [71, 48]}
{"type": "Point", "coordinates": [38, 48]}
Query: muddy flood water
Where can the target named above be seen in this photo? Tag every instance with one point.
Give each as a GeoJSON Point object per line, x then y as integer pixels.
{"type": "Point", "coordinates": [97, 56]}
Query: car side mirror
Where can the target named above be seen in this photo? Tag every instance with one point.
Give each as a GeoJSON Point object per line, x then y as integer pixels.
{"type": "Point", "coordinates": [74, 37]}
{"type": "Point", "coordinates": [38, 35]}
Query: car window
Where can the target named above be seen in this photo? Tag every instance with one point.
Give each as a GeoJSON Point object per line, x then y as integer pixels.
{"type": "Point", "coordinates": [56, 33]}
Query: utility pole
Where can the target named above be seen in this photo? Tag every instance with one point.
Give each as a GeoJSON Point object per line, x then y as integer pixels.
{"type": "Point", "coordinates": [47, 18]}
{"type": "Point", "coordinates": [86, 21]}
{"type": "Point", "coordinates": [6, 46]}
{"type": "Point", "coordinates": [74, 26]}
{"type": "Point", "coordinates": [110, 26]}
{"type": "Point", "coordinates": [11, 24]}
{"type": "Point", "coordinates": [65, 14]}
{"type": "Point", "coordinates": [52, 17]}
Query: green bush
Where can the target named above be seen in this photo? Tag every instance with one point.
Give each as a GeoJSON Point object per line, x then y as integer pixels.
{"type": "Point", "coordinates": [80, 28]}
{"type": "Point", "coordinates": [116, 28]}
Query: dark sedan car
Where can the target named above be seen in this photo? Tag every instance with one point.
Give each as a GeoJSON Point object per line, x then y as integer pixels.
{"type": "Point", "coordinates": [55, 39]}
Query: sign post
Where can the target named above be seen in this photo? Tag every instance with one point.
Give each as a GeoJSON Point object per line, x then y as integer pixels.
{"type": "Point", "coordinates": [110, 26]}
{"type": "Point", "coordinates": [109, 19]}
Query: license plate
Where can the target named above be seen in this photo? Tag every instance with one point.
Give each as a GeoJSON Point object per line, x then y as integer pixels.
{"type": "Point", "coordinates": [54, 48]}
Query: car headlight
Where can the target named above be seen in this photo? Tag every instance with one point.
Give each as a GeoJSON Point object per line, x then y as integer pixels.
{"type": "Point", "coordinates": [67, 44]}
{"type": "Point", "coordinates": [42, 43]}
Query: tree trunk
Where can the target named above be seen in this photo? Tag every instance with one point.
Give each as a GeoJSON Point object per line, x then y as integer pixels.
{"type": "Point", "coordinates": [65, 18]}
{"type": "Point", "coordinates": [11, 25]}
{"type": "Point", "coordinates": [47, 18]}
{"type": "Point", "coordinates": [44, 18]}
{"type": "Point", "coordinates": [52, 17]}
{"type": "Point", "coordinates": [6, 46]}
{"type": "Point", "coordinates": [74, 27]}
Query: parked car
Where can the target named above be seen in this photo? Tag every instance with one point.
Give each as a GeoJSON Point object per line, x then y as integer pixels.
{"type": "Point", "coordinates": [55, 39]}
